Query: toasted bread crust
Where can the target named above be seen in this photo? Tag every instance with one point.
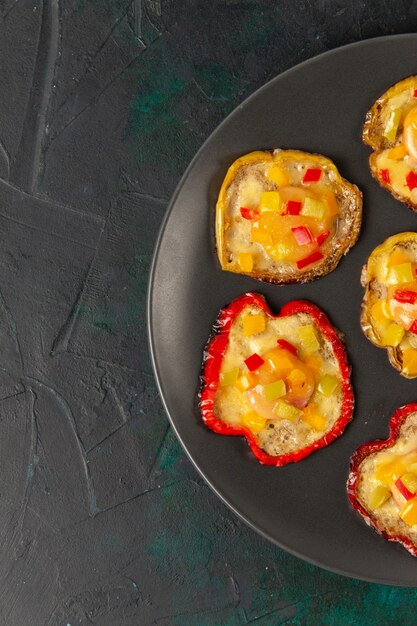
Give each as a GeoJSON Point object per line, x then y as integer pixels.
{"type": "Point", "coordinates": [351, 218]}
{"type": "Point", "coordinates": [372, 135]}
{"type": "Point", "coordinates": [395, 355]}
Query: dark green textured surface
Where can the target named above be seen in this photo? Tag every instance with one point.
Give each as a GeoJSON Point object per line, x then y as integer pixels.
{"type": "Point", "coordinates": [114, 525]}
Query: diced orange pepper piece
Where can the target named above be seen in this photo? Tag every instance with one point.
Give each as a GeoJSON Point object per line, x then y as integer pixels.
{"type": "Point", "coordinates": [398, 257]}
{"type": "Point", "coordinates": [409, 512]}
{"type": "Point", "coordinates": [313, 418]}
{"type": "Point", "coordinates": [399, 152]}
{"type": "Point", "coordinates": [245, 382]}
{"type": "Point", "coordinates": [254, 422]}
{"type": "Point", "coordinates": [410, 361]}
{"type": "Point", "coordinates": [253, 324]}
{"type": "Point", "coordinates": [279, 176]}
{"type": "Point", "coordinates": [245, 261]}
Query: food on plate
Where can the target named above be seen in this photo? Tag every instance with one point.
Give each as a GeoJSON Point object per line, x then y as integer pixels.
{"type": "Point", "coordinates": [285, 216]}
{"type": "Point", "coordinates": [281, 381]}
{"type": "Point", "coordinates": [391, 130]}
{"type": "Point", "coordinates": [389, 306]}
{"type": "Point", "coordinates": [382, 483]}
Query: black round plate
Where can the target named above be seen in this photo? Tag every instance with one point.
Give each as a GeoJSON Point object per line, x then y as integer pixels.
{"type": "Point", "coordinates": [318, 106]}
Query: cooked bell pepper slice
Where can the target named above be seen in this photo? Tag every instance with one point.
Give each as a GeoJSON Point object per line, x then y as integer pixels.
{"type": "Point", "coordinates": [254, 362]}
{"type": "Point", "coordinates": [254, 422]}
{"type": "Point", "coordinates": [286, 411]}
{"type": "Point", "coordinates": [327, 385]}
{"type": "Point", "coordinates": [391, 127]}
{"type": "Point", "coordinates": [409, 512]}
{"type": "Point", "coordinates": [411, 180]}
{"type": "Point", "coordinates": [213, 358]}
{"type": "Point", "coordinates": [410, 359]}
{"type": "Point", "coordinates": [249, 214]}
{"type": "Point", "coordinates": [279, 176]}
{"type": "Point", "coordinates": [308, 338]}
{"type": "Point", "coordinates": [409, 480]}
{"type": "Point", "coordinates": [230, 377]}
{"type": "Point", "coordinates": [403, 489]}
{"type": "Point", "coordinates": [397, 257]}
{"type": "Point", "coordinates": [245, 382]}
{"type": "Point", "coordinates": [384, 174]}
{"type": "Point", "coordinates": [320, 239]}
{"type": "Point", "coordinates": [313, 208]}
{"type": "Point", "coordinates": [274, 390]}
{"type": "Point", "coordinates": [415, 93]}
{"type": "Point", "coordinates": [253, 324]}
{"type": "Point", "coordinates": [397, 153]}
{"type": "Point", "coordinates": [245, 261]}
{"type": "Point", "coordinates": [393, 335]}
{"type": "Point", "coordinates": [379, 496]}
{"type": "Point", "coordinates": [401, 273]}
{"type": "Point", "coordinates": [293, 207]}
{"type": "Point", "coordinates": [310, 259]}
{"type": "Point", "coordinates": [380, 312]}
{"type": "Point", "coordinates": [413, 328]}
{"type": "Point", "coordinates": [312, 175]}
{"type": "Point", "coordinates": [302, 235]}
{"type": "Point", "coordinates": [313, 417]}
{"type": "Point", "coordinates": [270, 201]}
{"type": "Point", "coordinates": [286, 345]}
{"type": "Point", "coordinates": [405, 295]}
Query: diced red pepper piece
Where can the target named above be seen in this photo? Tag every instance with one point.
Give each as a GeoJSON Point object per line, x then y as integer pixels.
{"type": "Point", "coordinates": [286, 345]}
{"type": "Point", "coordinates": [403, 489]}
{"type": "Point", "coordinates": [413, 328]}
{"type": "Point", "coordinates": [415, 93]}
{"type": "Point", "coordinates": [254, 361]}
{"type": "Point", "coordinates": [249, 214]}
{"type": "Point", "coordinates": [411, 180]}
{"type": "Point", "coordinates": [312, 175]}
{"type": "Point", "coordinates": [385, 176]}
{"type": "Point", "coordinates": [293, 207]}
{"type": "Point", "coordinates": [308, 260]}
{"type": "Point", "coordinates": [322, 237]}
{"type": "Point", "coordinates": [404, 295]}
{"type": "Point", "coordinates": [302, 235]}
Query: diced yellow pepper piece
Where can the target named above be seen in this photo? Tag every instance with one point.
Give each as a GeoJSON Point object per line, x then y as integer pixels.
{"type": "Point", "coordinates": [253, 422]}
{"type": "Point", "coordinates": [409, 480]}
{"type": "Point", "coordinates": [230, 377]}
{"type": "Point", "coordinates": [393, 335]}
{"type": "Point", "coordinates": [280, 362]}
{"type": "Point", "coordinates": [401, 273]}
{"type": "Point", "coordinates": [308, 338]}
{"type": "Point", "coordinates": [314, 362]}
{"type": "Point", "coordinates": [378, 497]}
{"type": "Point", "coordinates": [380, 312]}
{"type": "Point", "coordinates": [409, 512]}
{"type": "Point", "coordinates": [313, 417]}
{"type": "Point", "coordinates": [279, 176]}
{"type": "Point", "coordinates": [327, 385]}
{"type": "Point", "coordinates": [313, 208]}
{"type": "Point", "coordinates": [245, 261]}
{"type": "Point", "coordinates": [253, 324]}
{"type": "Point", "coordinates": [286, 411]}
{"type": "Point", "coordinates": [274, 390]}
{"type": "Point", "coordinates": [410, 361]}
{"type": "Point", "coordinates": [260, 235]}
{"type": "Point", "coordinates": [398, 257]}
{"type": "Point", "coordinates": [399, 152]}
{"type": "Point", "coordinates": [245, 382]}
{"type": "Point", "coordinates": [270, 201]}
{"type": "Point", "coordinates": [391, 127]}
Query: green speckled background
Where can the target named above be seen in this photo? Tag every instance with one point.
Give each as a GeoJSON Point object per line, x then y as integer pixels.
{"type": "Point", "coordinates": [104, 519]}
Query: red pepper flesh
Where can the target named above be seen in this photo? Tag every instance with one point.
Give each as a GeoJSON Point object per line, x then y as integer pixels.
{"type": "Point", "coordinates": [214, 353]}
{"type": "Point", "coordinates": [249, 214]}
{"type": "Point", "coordinates": [253, 362]}
{"type": "Point", "coordinates": [308, 260]}
{"type": "Point", "coordinates": [403, 489]}
{"type": "Point", "coordinates": [411, 180]}
{"type": "Point", "coordinates": [312, 175]}
{"type": "Point", "coordinates": [415, 93]}
{"type": "Point", "coordinates": [293, 207]}
{"type": "Point", "coordinates": [385, 176]}
{"type": "Point", "coordinates": [320, 239]}
{"type": "Point", "coordinates": [302, 235]}
{"type": "Point", "coordinates": [397, 420]}
{"type": "Point", "coordinates": [404, 295]}
{"type": "Point", "coordinates": [286, 345]}
{"type": "Point", "coordinates": [413, 328]}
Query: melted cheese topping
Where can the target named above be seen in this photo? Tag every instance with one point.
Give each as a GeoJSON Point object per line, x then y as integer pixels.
{"type": "Point", "coordinates": [383, 468]}
{"type": "Point", "coordinates": [279, 436]}
{"type": "Point", "coordinates": [269, 238]}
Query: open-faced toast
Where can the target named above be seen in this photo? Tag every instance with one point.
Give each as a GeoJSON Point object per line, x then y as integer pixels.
{"type": "Point", "coordinates": [389, 306]}
{"type": "Point", "coordinates": [390, 129]}
{"type": "Point", "coordinates": [285, 216]}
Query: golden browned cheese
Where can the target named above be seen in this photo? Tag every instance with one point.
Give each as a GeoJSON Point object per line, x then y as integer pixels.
{"type": "Point", "coordinates": [386, 322]}
{"type": "Point", "coordinates": [390, 129]}
{"type": "Point", "coordinates": [246, 181]}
